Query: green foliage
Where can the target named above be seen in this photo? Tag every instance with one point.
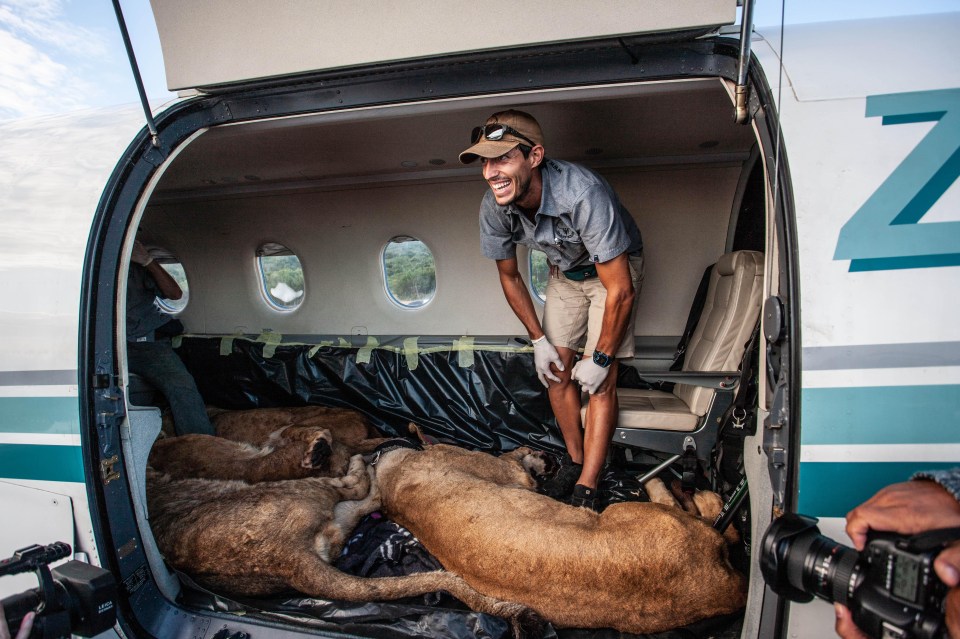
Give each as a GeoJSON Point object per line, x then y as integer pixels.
{"type": "Point", "coordinates": [410, 270]}
{"type": "Point", "coordinates": [539, 272]}
{"type": "Point", "coordinates": [286, 269]}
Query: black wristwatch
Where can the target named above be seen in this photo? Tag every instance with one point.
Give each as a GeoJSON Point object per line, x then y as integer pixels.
{"type": "Point", "coordinates": [601, 359]}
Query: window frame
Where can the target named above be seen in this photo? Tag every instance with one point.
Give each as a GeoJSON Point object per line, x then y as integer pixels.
{"type": "Point", "coordinates": [383, 273]}
{"type": "Point", "coordinates": [265, 293]}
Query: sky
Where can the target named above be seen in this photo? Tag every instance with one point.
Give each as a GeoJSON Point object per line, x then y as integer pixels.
{"type": "Point", "coordinates": [65, 55]}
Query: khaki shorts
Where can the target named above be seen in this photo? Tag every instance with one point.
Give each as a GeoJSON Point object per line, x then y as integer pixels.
{"type": "Point", "coordinates": [574, 311]}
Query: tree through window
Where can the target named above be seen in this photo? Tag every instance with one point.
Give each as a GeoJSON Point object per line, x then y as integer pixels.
{"type": "Point", "coordinates": [409, 271]}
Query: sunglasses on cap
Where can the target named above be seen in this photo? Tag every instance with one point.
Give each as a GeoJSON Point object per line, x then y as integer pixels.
{"type": "Point", "coordinates": [495, 132]}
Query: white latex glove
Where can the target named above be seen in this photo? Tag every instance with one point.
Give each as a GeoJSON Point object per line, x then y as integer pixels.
{"type": "Point", "coordinates": [140, 254]}
{"type": "Point", "coordinates": [589, 374]}
{"type": "Point", "coordinates": [545, 354]}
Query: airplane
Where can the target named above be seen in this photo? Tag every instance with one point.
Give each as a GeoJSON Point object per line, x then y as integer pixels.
{"type": "Point", "coordinates": [311, 157]}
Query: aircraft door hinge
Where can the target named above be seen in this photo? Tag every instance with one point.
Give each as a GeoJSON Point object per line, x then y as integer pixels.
{"type": "Point", "coordinates": [109, 403]}
{"type": "Point", "coordinates": [108, 470]}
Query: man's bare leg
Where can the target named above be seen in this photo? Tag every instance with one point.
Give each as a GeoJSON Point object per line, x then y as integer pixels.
{"type": "Point", "coordinates": [601, 420]}
{"type": "Point", "coordinates": [565, 402]}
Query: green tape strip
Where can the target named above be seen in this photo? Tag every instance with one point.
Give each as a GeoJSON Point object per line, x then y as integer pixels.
{"type": "Point", "coordinates": [412, 352]}
{"type": "Point", "coordinates": [270, 342]}
{"type": "Point", "coordinates": [364, 354]}
{"type": "Point", "coordinates": [176, 341]}
{"type": "Point", "coordinates": [226, 345]}
{"type": "Point", "coordinates": [464, 348]}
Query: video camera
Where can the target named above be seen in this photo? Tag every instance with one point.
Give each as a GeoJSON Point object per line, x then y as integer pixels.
{"type": "Point", "coordinates": [73, 598]}
{"type": "Point", "coordinates": [890, 588]}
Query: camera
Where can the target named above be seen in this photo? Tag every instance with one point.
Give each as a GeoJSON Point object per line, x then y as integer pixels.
{"type": "Point", "coordinates": [890, 588]}
{"type": "Point", "coordinates": [73, 598]}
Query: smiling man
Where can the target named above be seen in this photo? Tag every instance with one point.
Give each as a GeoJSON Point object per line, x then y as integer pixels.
{"type": "Point", "coordinates": [595, 253]}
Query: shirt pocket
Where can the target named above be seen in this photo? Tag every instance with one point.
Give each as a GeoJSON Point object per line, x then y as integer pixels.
{"type": "Point", "coordinates": [563, 234]}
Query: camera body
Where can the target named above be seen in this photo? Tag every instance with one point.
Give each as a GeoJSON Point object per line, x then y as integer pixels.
{"type": "Point", "coordinates": [73, 598]}
{"type": "Point", "coordinates": [890, 588]}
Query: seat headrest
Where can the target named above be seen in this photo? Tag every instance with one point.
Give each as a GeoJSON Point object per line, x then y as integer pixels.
{"type": "Point", "coordinates": [727, 264]}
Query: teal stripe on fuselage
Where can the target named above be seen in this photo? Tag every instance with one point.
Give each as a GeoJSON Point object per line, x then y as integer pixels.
{"type": "Point", "coordinates": [48, 415]}
{"type": "Point", "coordinates": [881, 415]}
{"type": "Point", "coordinates": [832, 489]}
{"type": "Point", "coordinates": [46, 463]}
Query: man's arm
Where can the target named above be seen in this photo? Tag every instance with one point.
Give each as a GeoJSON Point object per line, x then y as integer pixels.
{"type": "Point", "coordinates": [518, 297]}
{"type": "Point", "coordinates": [544, 354]}
{"type": "Point", "coordinates": [165, 282]}
{"type": "Point", "coordinates": [168, 286]}
{"type": "Point", "coordinates": [615, 277]}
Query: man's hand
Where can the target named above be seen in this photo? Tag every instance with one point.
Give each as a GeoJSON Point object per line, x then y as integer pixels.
{"type": "Point", "coordinates": [544, 354]}
{"type": "Point", "coordinates": [909, 508]}
{"type": "Point", "coordinates": [140, 254]}
{"type": "Point", "coordinates": [589, 374]}
{"type": "Point", "coordinates": [844, 625]}
{"type": "Point", "coordinates": [25, 626]}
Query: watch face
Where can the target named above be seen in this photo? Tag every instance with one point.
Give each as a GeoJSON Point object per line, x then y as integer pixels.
{"type": "Point", "coordinates": [601, 359]}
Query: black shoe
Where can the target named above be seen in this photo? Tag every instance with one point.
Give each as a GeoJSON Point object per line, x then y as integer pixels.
{"type": "Point", "coordinates": [561, 484]}
{"type": "Point", "coordinates": [584, 497]}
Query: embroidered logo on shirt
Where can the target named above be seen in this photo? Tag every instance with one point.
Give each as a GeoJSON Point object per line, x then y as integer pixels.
{"type": "Point", "coordinates": [564, 232]}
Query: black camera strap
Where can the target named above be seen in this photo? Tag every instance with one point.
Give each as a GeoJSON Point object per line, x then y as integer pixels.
{"type": "Point", "coordinates": [932, 539]}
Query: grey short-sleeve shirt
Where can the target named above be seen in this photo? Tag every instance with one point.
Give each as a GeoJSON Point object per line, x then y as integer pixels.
{"type": "Point", "coordinates": [581, 220]}
{"type": "Point", "coordinates": [143, 314]}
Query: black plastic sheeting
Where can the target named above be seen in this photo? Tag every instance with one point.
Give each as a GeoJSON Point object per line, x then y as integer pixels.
{"type": "Point", "coordinates": [495, 404]}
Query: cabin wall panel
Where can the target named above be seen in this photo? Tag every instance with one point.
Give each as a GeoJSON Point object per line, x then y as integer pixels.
{"type": "Point", "coordinates": [339, 236]}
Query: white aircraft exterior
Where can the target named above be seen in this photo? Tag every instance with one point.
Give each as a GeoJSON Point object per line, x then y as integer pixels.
{"type": "Point", "coordinates": [861, 233]}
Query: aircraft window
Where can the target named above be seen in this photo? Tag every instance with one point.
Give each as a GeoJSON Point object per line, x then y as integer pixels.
{"type": "Point", "coordinates": [175, 269]}
{"type": "Point", "coordinates": [281, 276]}
{"type": "Point", "coordinates": [539, 274]}
{"type": "Point", "coordinates": [409, 272]}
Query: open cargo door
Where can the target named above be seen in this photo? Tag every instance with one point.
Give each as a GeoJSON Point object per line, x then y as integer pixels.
{"type": "Point", "coordinates": [225, 42]}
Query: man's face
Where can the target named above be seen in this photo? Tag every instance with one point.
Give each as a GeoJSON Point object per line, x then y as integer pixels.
{"type": "Point", "coordinates": [509, 178]}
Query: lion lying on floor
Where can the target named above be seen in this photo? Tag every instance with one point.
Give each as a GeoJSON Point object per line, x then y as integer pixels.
{"type": "Point", "coordinates": [268, 538]}
{"type": "Point", "coordinates": [269, 444]}
{"type": "Point", "coordinates": [637, 567]}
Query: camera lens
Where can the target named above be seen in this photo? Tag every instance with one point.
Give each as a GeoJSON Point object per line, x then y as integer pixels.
{"type": "Point", "coordinates": [822, 567]}
{"type": "Point", "coordinates": [797, 561]}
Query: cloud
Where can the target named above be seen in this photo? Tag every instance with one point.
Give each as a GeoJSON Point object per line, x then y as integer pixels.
{"type": "Point", "coordinates": [45, 59]}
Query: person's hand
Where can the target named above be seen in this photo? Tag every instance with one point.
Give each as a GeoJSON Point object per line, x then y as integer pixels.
{"type": "Point", "coordinates": [140, 254]}
{"type": "Point", "coordinates": [909, 508]}
{"type": "Point", "coordinates": [25, 626]}
{"type": "Point", "coordinates": [544, 354]}
{"type": "Point", "coordinates": [589, 374]}
{"type": "Point", "coordinates": [844, 625]}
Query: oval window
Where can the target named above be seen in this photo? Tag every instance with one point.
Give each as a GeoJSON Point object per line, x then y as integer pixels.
{"type": "Point", "coordinates": [175, 269]}
{"type": "Point", "coordinates": [281, 276]}
{"type": "Point", "coordinates": [539, 274]}
{"type": "Point", "coordinates": [409, 271]}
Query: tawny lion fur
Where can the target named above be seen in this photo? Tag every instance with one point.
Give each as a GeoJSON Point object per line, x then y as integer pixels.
{"type": "Point", "coordinates": [637, 567]}
{"type": "Point", "coordinates": [269, 444]}
{"type": "Point", "coordinates": [268, 538]}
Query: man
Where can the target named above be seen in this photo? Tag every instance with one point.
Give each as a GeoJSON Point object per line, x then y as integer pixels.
{"type": "Point", "coordinates": [931, 500]}
{"type": "Point", "coordinates": [149, 353]}
{"type": "Point", "coordinates": [595, 253]}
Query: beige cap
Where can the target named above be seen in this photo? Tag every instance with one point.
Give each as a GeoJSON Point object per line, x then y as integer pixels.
{"type": "Point", "coordinates": [525, 126]}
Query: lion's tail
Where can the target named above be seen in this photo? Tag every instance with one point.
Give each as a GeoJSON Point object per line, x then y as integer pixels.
{"type": "Point", "coordinates": [322, 580]}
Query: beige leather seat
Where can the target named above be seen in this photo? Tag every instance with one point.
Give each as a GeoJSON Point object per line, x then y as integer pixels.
{"type": "Point", "coordinates": [730, 313]}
